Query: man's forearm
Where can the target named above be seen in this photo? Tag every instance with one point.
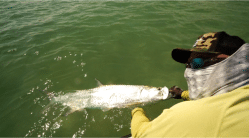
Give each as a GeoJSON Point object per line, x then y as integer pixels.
{"type": "Point", "coordinates": [139, 122]}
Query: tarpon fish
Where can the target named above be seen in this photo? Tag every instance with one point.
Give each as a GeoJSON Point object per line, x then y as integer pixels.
{"type": "Point", "coordinates": [106, 97]}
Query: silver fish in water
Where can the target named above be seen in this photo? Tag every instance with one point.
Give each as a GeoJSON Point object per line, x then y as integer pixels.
{"type": "Point", "coordinates": [106, 97]}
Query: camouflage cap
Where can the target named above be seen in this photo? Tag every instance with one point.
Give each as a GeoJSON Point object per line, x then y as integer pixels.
{"type": "Point", "coordinates": [213, 43]}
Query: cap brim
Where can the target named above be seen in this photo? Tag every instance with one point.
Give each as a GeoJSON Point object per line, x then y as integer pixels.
{"type": "Point", "coordinates": [182, 55]}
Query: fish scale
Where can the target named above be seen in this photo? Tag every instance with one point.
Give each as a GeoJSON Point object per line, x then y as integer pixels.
{"type": "Point", "coordinates": [106, 97]}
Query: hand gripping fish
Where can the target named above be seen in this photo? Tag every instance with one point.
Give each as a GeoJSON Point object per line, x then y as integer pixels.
{"type": "Point", "coordinates": [106, 97]}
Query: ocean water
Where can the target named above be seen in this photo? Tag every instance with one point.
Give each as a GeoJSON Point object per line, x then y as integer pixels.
{"type": "Point", "coordinates": [62, 46]}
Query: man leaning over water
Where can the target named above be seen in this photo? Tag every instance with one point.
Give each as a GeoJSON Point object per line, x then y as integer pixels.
{"type": "Point", "coordinates": [217, 100]}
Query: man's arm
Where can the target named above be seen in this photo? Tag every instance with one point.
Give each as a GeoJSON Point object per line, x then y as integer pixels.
{"type": "Point", "coordinates": [139, 122]}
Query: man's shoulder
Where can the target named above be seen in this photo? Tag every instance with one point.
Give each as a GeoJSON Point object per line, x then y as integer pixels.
{"type": "Point", "coordinates": [212, 101]}
{"type": "Point", "coordinates": [244, 88]}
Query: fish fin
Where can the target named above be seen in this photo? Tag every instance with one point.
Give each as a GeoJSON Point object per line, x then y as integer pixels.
{"type": "Point", "coordinates": [132, 104]}
{"type": "Point", "coordinates": [69, 112]}
{"type": "Point", "coordinates": [98, 82]}
{"type": "Point", "coordinates": [47, 107]}
{"type": "Point", "coordinates": [106, 109]}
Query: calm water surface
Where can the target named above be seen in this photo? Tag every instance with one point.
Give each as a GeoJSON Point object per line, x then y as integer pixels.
{"type": "Point", "coordinates": [61, 46]}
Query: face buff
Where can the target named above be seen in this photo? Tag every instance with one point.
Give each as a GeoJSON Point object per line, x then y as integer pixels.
{"type": "Point", "coordinates": [222, 77]}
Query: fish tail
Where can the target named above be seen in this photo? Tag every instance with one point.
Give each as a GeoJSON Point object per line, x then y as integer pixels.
{"type": "Point", "coordinates": [70, 111]}
{"type": "Point", "coordinates": [47, 107]}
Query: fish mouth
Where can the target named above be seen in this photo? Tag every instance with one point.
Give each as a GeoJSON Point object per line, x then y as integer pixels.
{"type": "Point", "coordinates": [165, 92]}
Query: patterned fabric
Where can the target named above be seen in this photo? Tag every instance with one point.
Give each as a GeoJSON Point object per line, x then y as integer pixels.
{"type": "Point", "coordinates": [196, 79]}
{"type": "Point", "coordinates": [205, 43]}
{"type": "Point", "coordinates": [215, 42]}
{"type": "Point", "coordinates": [221, 77]}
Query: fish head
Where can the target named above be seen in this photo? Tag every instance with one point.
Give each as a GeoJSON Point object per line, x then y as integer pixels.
{"type": "Point", "coordinates": [165, 93]}
{"type": "Point", "coordinates": [154, 93]}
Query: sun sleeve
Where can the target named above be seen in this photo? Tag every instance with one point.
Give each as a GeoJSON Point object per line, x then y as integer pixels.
{"type": "Point", "coordinates": [139, 122]}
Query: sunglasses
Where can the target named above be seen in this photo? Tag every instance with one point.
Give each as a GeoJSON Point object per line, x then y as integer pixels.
{"type": "Point", "coordinates": [198, 63]}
